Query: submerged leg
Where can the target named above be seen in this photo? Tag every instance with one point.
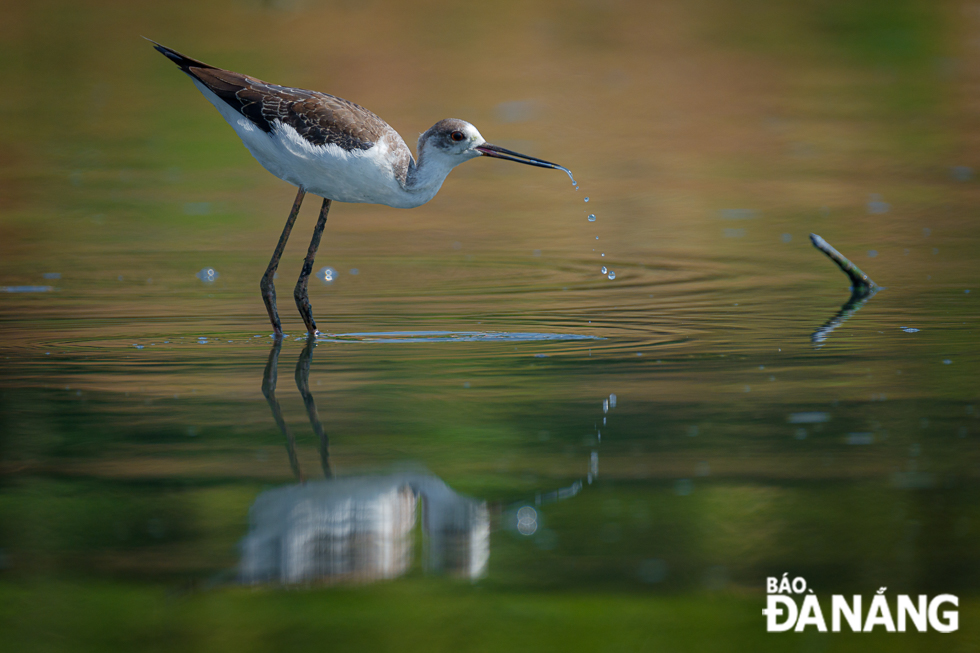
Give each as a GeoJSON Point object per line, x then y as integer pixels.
{"type": "Point", "coordinates": [300, 293]}
{"type": "Point", "coordinates": [267, 286]}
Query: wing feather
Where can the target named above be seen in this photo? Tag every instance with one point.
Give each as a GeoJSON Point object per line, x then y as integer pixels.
{"type": "Point", "coordinates": [321, 119]}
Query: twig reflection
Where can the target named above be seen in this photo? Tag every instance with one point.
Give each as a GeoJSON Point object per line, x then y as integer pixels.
{"type": "Point", "coordinates": [859, 297]}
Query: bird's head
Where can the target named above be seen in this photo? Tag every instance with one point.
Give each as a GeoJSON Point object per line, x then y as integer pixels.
{"type": "Point", "coordinates": [453, 141]}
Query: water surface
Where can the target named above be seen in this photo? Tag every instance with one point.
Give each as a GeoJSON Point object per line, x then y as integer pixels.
{"type": "Point", "coordinates": [493, 446]}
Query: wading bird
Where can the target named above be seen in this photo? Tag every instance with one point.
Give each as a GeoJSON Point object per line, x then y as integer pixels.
{"type": "Point", "coordinates": [336, 149]}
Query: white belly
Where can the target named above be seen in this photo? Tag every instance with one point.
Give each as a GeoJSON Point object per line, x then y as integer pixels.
{"type": "Point", "coordinates": [364, 176]}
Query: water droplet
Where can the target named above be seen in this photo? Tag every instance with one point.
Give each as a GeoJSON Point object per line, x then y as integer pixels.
{"type": "Point", "coordinates": [604, 270]}
{"type": "Point", "coordinates": [603, 254]}
{"type": "Point", "coordinates": [326, 274]}
{"type": "Point", "coordinates": [586, 199]}
{"type": "Point", "coordinates": [527, 520]}
{"type": "Point", "coordinates": [355, 271]}
{"type": "Point", "coordinates": [592, 217]}
{"type": "Point", "coordinates": [207, 275]}
{"type": "Point", "coordinates": [612, 275]}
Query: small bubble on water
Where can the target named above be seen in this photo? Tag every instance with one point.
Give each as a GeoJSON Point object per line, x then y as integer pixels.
{"type": "Point", "coordinates": [207, 275]}
{"type": "Point", "coordinates": [527, 520]}
{"type": "Point", "coordinates": [876, 205]}
{"type": "Point", "coordinates": [612, 275]}
{"type": "Point", "coordinates": [604, 270]}
{"type": "Point", "coordinates": [326, 274]}
{"type": "Point", "coordinates": [592, 217]}
{"type": "Point", "coordinates": [961, 173]}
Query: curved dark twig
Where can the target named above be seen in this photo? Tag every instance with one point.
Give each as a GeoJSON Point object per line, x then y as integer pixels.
{"type": "Point", "coordinates": [862, 289]}
{"type": "Point", "coordinates": [859, 280]}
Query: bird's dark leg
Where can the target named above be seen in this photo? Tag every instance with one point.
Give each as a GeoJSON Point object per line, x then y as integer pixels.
{"type": "Point", "coordinates": [267, 286]}
{"type": "Point", "coordinates": [303, 383]}
{"type": "Point", "coordinates": [300, 292]}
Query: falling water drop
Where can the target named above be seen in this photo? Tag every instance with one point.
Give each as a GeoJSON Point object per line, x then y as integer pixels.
{"type": "Point", "coordinates": [604, 270]}
{"type": "Point", "coordinates": [592, 217]}
{"type": "Point", "coordinates": [327, 274]}
{"type": "Point", "coordinates": [612, 275]}
{"type": "Point", "coordinates": [586, 199]}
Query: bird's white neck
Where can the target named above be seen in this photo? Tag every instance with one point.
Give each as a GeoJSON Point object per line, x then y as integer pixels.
{"type": "Point", "coordinates": [424, 179]}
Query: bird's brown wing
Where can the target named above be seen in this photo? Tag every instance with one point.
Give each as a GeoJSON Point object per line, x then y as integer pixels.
{"type": "Point", "coordinates": [319, 118]}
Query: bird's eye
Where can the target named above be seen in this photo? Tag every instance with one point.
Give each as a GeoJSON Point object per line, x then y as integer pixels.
{"type": "Point", "coordinates": [457, 136]}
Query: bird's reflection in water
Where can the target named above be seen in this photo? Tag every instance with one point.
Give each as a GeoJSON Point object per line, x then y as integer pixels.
{"type": "Point", "coordinates": [356, 528]}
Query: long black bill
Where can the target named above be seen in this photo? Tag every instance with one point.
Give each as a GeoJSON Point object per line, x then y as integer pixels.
{"type": "Point", "coordinates": [500, 153]}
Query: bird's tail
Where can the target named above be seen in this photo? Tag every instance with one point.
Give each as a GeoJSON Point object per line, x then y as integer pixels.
{"type": "Point", "coordinates": [185, 63]}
